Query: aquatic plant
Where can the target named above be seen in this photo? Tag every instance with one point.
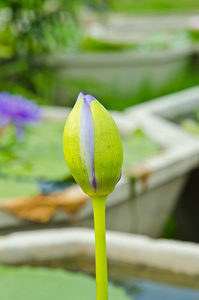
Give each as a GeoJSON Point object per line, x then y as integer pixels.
{"type": "Point", "coordinates": [18, 111]}
{"type": "Point", "coordinates": [93, 153]}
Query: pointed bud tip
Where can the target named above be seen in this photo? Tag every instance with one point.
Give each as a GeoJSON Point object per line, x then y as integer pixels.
{"type": "Point", "coordinates": [80, 96]}
{"type": "Point", "coordinates": [89, 98]}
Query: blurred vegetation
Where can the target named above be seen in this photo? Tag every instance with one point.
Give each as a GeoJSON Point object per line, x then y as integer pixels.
{"type": "Point", "coordinates": [91, 44]}
{"type": "Point", "coordinates": [133, 6]}
{"type": "Point", "coordinates": [51, 27]}
{"type": "Point", "coordinates": [190, 122]}
{"type": "Point", "coordinates": [194, 34]}
{"type": "Point", "coordinates": [171, 229]}
{"type": "Point", "coordinates": [10, 188]}
{"type": "Point", "coordinates": [157, 40]}
{"type": "Point", "coordinates": [36, 155]}
{"type": "Point", "coordinates": [35, 27]}
{"type": "Point", "coordinates": [114, 98]}
{"type": "Point", "coordinates": [137, 148]}
{"type": "Point", "coordinates": [29, 28]}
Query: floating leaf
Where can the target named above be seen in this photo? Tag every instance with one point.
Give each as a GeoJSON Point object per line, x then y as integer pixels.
{"type": "Point", "coordinates": [137, 147]}
{"type": "Point", "coordinates": [26, 283]}
{"type": "Point", "coordinates": [10, 188]}
{"type": "Point", "coordinates": [40, 155]}
{"type": "Point", "coordinates": [191, 126]}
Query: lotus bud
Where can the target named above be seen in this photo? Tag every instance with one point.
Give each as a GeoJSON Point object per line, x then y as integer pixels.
{"type": "Point", "coordinates": [92, 147]}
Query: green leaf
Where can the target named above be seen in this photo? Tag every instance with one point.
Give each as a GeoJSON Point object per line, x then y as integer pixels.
{"type": "Point", "coordinates": [40, 155]}
{"type": "Point", "coordinates": [10, 188]}
{"type": "Point", "coordinates": [26, 283]}
{"type": "Point", "coordinates": [190, 125]}
{"type": "Point", "coordinates": [138, 147]}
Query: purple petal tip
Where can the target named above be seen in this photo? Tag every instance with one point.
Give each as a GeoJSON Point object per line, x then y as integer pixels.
{"type": "Point", "coordinates": [88, 98]}
{"type": "Point", "coordinates": [80, 96]}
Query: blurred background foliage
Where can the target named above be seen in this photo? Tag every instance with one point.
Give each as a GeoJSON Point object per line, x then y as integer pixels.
{"type": "Point", "coordinates": [29, 28]}
{"type": "Point", "coordinates": [152, 5]}
{"type": "Point", "coordinates": [34, 28]}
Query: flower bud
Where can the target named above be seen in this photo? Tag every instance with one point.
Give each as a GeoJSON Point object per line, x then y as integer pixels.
{"type": "Point", "coordinates": [92, 147]}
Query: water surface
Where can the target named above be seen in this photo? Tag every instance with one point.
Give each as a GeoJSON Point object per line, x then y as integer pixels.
{"type": "Point", "coordinates": [148, 290]}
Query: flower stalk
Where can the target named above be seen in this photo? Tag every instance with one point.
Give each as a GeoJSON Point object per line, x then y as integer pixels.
{"type": "Point", "coordinates": [99, 204]}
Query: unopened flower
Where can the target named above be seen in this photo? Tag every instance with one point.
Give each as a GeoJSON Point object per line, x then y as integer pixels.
{"type": "Point", "coordinates": [19, 111]}
{"type": "Point", "coordinates": [92, 147]}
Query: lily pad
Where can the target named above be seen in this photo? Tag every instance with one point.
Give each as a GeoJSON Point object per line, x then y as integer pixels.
{"type": "Point", "coordinates": [191, 126]}
{"type": "Point", "coordinates": [137, 147]}
{"type": "Point", "coordinates": [10, 188]}
{"type": "Point", "coordinates": [40, 155]}
{"type": "Point", "coordinates": [27, 283]}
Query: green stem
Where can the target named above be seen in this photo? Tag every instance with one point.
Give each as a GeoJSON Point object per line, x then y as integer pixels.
{"type": "Point", "coordinates": [100, 248]}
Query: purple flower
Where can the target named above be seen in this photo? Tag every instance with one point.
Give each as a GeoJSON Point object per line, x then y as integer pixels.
{"type": "Point", "coordinates": [18, 111]}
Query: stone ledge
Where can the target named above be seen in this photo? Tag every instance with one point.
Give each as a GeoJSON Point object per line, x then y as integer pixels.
{"type": "Point", "coordinates": [63, 244]}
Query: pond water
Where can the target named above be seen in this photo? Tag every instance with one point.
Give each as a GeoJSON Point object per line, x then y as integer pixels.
{"type": "Point", "coordinates": [48, 187]}
{"type": "Point", "coordinates": [148, 290]}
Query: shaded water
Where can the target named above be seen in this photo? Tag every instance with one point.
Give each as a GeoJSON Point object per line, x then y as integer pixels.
{"type": "Point", "coordinates": [47, 186]}
{"type": "Point", "coordinates": [148, 290]}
